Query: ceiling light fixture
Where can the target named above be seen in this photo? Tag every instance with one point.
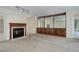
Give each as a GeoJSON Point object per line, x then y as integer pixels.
{"type": "Point", "coordinates": [22, 9]}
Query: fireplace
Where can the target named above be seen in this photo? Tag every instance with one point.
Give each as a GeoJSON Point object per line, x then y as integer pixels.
{"type": "Point", "coordinates": [17, 30]}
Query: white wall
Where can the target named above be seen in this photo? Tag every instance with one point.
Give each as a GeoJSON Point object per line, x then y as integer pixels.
{"type": "Point", "coordinates": [1, 28]}
{"type": "Point", "coordinates": [13, 16]}
{"type": "Point", "coordinates": [0, 25]}
{"type": "Point", "coordinates": [2, 35]}
{"type": "Point", "coordinates": [70, 33]}
{"type": "Point", "coordinates": [31, 25]}
{"type": "Point", "coordinates": [19, 17]}
{"type": "Point", "coordinates": [68, 25]}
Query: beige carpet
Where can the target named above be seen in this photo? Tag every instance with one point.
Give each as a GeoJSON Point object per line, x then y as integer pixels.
{"type": "Point", "coordinates": [40, 43]}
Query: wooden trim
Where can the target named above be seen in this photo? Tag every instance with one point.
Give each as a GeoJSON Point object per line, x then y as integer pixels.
{"type": "Point", "coordinates": [17, 25]}
{"type": "Point", "coordinates": [52, 15]}
{"type": "Point", "coordinates": [44, 22]}
{"type": "Point", "coordinates": [65, 23]}
{"type": "Point", "coordinates": [53, 22]}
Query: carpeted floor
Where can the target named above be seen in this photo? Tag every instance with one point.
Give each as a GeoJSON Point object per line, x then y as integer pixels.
{"type": "Point", "coordinates": [40, 43]}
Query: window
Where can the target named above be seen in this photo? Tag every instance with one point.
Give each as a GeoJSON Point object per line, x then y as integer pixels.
{"type": "Point", "coordinates": [49, 22]}
{"type": "Point", "coordinates": [40, 22]}
{"type": "Point", "coordinates": [76, 23]}
{"type": "Point", "coordinates": [54, 21]}
{"type": "Point", "coordinates": [59, 21]}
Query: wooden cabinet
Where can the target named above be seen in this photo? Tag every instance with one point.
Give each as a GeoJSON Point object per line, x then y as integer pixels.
{"type": "Point", "coordinates": [60, 32]}
{"type": "Point", "coordinates": [52, 24]}
{"type": "Point", "coordinates": [52, 31]}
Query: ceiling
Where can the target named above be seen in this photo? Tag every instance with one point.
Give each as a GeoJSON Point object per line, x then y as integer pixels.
{"type": "Point", "coordinates": [46, 10]}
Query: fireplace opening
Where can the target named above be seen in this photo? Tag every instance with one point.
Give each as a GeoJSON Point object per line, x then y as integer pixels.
{"type": "Point", "coordinates": [18, 32]}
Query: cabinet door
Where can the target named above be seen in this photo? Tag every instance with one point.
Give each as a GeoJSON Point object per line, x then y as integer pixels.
{"type": "Point", "coordinates": [52, 31]}
{"type": "Point", "coordinates": [38, 30]}
{"type": "Point", "coordinates": [60, 32]}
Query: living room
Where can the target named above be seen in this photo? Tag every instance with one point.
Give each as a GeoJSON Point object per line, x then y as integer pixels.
{"type": "Point", "coordinates": [32, 24]}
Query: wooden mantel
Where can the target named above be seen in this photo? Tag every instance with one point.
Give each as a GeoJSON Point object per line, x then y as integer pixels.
{"type": "Point", "coordinates": [17, 25]}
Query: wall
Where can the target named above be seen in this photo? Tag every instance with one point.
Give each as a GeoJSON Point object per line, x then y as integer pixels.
{"type": "Point", "coordinates": [18, 17]}
{"type": "Point", "coordinates": [13, 16]}
{"type": "Point", "coordinates": [1, 24]}
{"type": "Point", "coordinates": [2, 30]}
{"type": "Point", "coordinates": [69, 24]}
{"type": "Point", "coordinates": [1, 27]}
{"type": "Point", "coordinates": [75, 34]}
{"type": "Point", "coordinates": [70, 33]}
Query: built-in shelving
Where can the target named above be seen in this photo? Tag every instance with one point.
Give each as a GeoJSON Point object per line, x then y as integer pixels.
{"type": "Point", "coordinates": [52, 24]}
